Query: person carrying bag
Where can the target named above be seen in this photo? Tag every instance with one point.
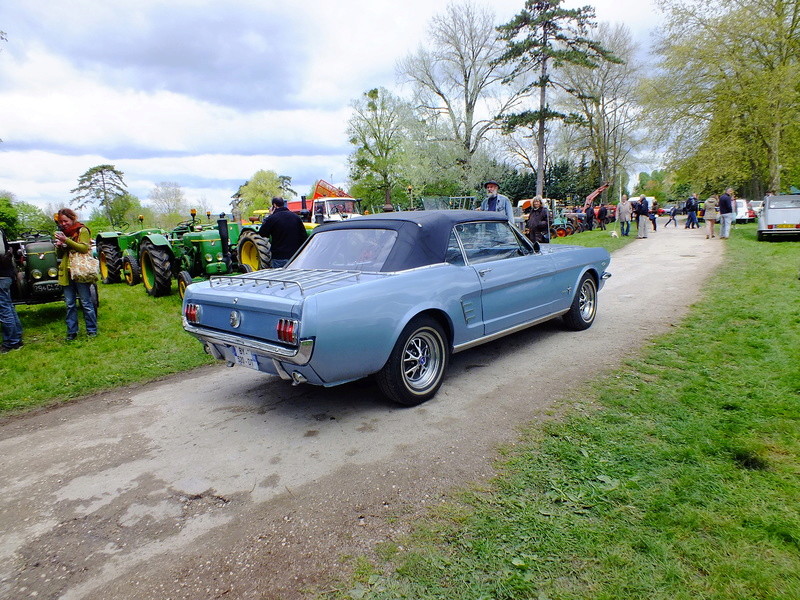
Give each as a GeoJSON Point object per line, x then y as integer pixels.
{"type": "Point", "coordinates": [77, 271]}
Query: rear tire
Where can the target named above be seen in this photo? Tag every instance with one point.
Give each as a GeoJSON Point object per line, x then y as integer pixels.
{"type": "Point", "coordinates": [131, 272]}
{"type": "Point", "coordinates": [254, 251]}
{"type": "Point", "coordinates": [584, 305]}
{"type": "Point", "coordinates": [110, 259]}
{"type": "Point", "coordinates": [415, 369]}
{"type": "Point", "coordinates": [156, 269]}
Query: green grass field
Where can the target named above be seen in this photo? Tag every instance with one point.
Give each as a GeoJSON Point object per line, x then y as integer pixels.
{"type": "Point", "coordinates": [141, 339]}
{"type": "Point", "coordinates": [677, 477]}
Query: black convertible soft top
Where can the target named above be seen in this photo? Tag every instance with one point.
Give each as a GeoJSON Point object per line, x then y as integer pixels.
{"type": "Point", "coordinates": [422, 236]}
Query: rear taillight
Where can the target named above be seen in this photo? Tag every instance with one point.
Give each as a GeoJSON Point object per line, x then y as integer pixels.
{"type": "Point", "coordinates": [192, 313]}
{"type": "Point", "coordinates": [287, 330]}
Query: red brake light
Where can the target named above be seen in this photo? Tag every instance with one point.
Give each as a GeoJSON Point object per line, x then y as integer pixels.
{"type": "Point", "coordinates": [287, 330]}
{"type": "Point", "coordinates": [192, 313]}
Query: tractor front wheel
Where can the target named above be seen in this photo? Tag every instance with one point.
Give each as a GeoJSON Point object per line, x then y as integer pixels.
{"type": "Point", "coordinates": [254, 250]}
{"type": "Point", "coordinates": [131, 271]}
{"type": "Point", "coordinates": [110, 259]}
{"type": "Point", "coordinates": [156, 269]}
{"type": "Point", "coordinates": [184, 281]}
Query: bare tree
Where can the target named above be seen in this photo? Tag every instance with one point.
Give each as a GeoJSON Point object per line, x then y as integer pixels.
{"type": "Point", "coordinates": [168, 201]}
{"type": "Point", "coordinates": [606, 101]}
{"type": "Point", "coordinates": [457, 83]}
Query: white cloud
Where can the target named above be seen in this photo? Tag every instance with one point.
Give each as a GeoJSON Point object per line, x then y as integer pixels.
{"type": "Point", "coordinates": [64, 111]}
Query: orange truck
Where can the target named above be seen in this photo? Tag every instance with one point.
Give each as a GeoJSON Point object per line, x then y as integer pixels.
{"type": "Point", "coordinates": [327, 203]}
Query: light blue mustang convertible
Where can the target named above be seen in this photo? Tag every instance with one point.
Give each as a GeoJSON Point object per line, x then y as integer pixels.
{"type": "Point", "coordinates": [393, 295]}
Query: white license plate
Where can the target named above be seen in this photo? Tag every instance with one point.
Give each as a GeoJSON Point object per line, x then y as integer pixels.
{"type": "Point", "coordinates": [245, 358]}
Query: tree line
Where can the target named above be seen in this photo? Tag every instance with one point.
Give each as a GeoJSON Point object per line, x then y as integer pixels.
{"type": "Point", "coordinates": [554, 95]}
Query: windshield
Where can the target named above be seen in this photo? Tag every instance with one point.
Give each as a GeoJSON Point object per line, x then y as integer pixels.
{"type": "Point", "coordinates": [337, 205]}
{"type": "Point", "coordinates": [346, 250]}
{"type": "Point", "coordinates": [784, 202]}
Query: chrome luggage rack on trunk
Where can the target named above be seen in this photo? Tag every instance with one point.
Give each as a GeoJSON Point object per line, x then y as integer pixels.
{"type": "Point", "coordinates": [304, 279]}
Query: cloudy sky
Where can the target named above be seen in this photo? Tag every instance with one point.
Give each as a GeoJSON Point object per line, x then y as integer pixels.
{"type": "Point", "coordinates": [203, 93]}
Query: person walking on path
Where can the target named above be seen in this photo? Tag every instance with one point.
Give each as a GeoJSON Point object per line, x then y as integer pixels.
{"type": "Point", "coordinates": [74, 236]}
{"type": "Point", "coordinates": [692, 205]}
{"type": "Point", "coordinates": [654, 214]}
{"type": "Point", "coordinates": [673, 210]}
{"type": "Point", "coordinates": [643, 215]}
{"type": "Point", "coordinates": [727, 214]}
{"type": "Point", "coordinates": [624, 212]}
{"type": "Point", "coordinates": [538, 225]}
{"type": "Point", "coordinates": [9, 319]}
{"type": "Point", "coordinates": [710, 215]}
{"type": "Point", "coordinates": [495, 202]}
{"type": "Point", "coordinates": [286, 232]}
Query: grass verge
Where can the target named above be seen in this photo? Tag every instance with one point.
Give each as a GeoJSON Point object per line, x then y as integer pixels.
{"type": "Point", "coordinates": [141, 339]}
{"type": "Point", "coordinates": [676, 477]}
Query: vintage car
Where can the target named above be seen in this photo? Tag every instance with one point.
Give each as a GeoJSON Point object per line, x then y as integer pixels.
{"type": "Point", "coordinates": [393, 295]}
{"type": "Point", "coordinates": [779, 217]}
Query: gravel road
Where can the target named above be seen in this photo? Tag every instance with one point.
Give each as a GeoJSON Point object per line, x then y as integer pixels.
{"type": "Point", "coordinates": [227, 483]}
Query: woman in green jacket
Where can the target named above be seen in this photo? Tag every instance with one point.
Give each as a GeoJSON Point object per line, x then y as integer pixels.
{"type": "Point", "coordinates": [74, 236]}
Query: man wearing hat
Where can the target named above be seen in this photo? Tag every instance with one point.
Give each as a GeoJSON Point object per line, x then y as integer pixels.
{"type": "Point", "coordinates": [495, 202]}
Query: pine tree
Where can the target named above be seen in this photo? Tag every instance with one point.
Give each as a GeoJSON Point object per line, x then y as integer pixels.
{"type": "Point", "coordinates": [102, 184]}
{"type": "Point", "coordinates": [541, 37]}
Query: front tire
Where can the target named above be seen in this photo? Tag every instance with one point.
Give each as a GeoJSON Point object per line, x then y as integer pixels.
{"type": "Point", "coordinates": [184, 281]}
{"type": "Point", "coordinates": [131, 272]}
{"type": "Point", "coordinates": [110, 259]}
{"type": "Point", "coordinates": [584, 305]}
{"type": "Point", "coordinates": [156, 269]}
{"type": "Point", "coordinates": [415, 369]}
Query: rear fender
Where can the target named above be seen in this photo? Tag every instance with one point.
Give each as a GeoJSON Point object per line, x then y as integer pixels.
{"type": "Point", "coordinates": [108, 237]}
{"type": "Point", "coordinates": [159, 241]}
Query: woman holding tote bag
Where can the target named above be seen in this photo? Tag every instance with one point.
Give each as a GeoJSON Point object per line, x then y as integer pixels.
{"type": "Point", "coordinates": [73, 240]}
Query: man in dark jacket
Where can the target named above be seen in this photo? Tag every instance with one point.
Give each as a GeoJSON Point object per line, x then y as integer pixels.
{"type": "Point", "coordinates": [643, 216]}
{"type": "Point", "coordinates": [602, 216]}
{"type": "Point", "coordinates": [9, 319]}
{"type": "Point", "coordinates": [286, 230]}
{"type": "Point", "coordinates": [727, 214]}
{"type": "Point", "coordinates": [692, 205]}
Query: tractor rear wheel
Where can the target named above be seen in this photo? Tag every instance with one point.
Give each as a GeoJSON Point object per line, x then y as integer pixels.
{"type": "Point", "coordinates": [131, 271]}
{"type": "Point", "coordinates": [156, 269]}
{"type": "Point", "coordinates": [110, 262]}
{"type": "Point", "coordinates": [254, 250]}
{"type": "Point", "coordinates": [184, 281]}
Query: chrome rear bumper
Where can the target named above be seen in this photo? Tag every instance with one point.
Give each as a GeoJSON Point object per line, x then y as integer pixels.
{"type": "Point", "coordinates": [296, 356]}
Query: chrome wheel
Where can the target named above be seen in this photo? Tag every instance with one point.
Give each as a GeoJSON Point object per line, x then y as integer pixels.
{"type": "Point", "coordinates": [415, 368]}
{"type": "Point", "coordinates": [422, 360]}
{"type": "Point", "coordinates": [587, 301]}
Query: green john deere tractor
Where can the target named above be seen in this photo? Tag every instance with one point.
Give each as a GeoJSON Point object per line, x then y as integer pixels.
{"type": "Point", "coordinates": [118, 254]}
{"type": "Point", "coordinates": [194, 251]}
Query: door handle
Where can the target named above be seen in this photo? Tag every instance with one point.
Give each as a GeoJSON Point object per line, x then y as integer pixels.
{"type": "Point", "coordinates": [483, 272]}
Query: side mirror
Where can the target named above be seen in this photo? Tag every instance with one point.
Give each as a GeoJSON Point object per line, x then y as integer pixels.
{"type": "Point", "coordinates": [536, 248]}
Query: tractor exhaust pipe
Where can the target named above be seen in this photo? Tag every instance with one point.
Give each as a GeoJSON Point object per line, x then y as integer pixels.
{"type": "Point", "coordinates": [222, 225]}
